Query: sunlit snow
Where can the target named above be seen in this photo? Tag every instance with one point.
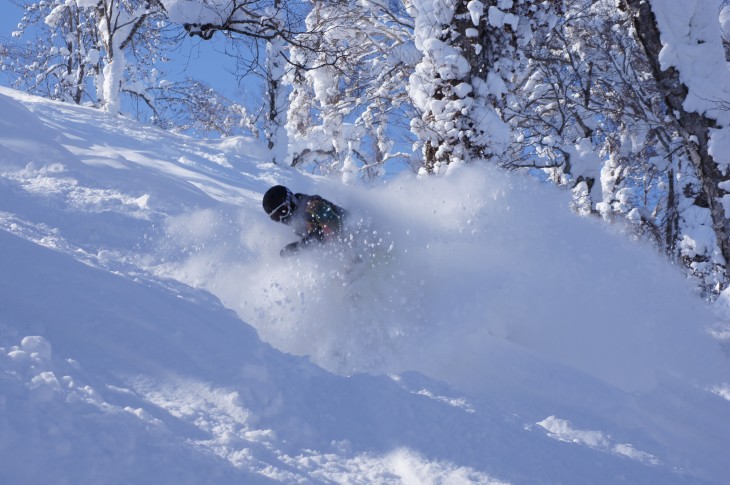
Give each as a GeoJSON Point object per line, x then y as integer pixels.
{"type": "Point", "coordinates": [150, 332]}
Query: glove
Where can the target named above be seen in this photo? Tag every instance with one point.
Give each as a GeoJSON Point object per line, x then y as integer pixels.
{"type": "Point", "coordinates": [289, 250]}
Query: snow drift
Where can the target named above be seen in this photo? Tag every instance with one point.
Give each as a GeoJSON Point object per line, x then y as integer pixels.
{"type": "Point", "coordinates": [492, 336]}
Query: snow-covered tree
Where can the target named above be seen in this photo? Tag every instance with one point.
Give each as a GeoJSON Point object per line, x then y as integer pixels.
{"type": "Point", "coordinates": [89, 50]}
{"type": "Point", "coordinates": [333, 71]}
{"type": "Point", "coordinates": [348, 99]}
{"type": "Point", "coordinates": [470, 51]}
{"type": "Point", "coordinates": [124, 29]}
{"type": "Point", "coordinates": [590, 112]}
{"type": "Point", "coordinates": [60, 58]}
{"type": "Point", "coordinates": [77, 48]}
{"type": "Point", "coordinates": [192, 106]}
{"type": "Point", "coordinates": [276, 96]}
{"type": "Point", "coordinates": [683, 44]}
{"type": "Point", "coordinates": [265, 26]}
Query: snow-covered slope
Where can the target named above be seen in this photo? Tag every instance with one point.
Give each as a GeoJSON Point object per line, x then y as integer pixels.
{"type": "Point", "coordinates": [503, 338]}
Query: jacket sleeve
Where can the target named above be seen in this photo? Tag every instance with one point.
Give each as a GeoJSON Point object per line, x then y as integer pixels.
{"type": "Point", "coordinates": [324, 219]}
{"type": "Point", "coordinates": [322, 222]}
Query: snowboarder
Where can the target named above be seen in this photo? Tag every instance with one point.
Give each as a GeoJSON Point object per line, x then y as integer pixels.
{"type": "Point", "coordinates": [314, 219]}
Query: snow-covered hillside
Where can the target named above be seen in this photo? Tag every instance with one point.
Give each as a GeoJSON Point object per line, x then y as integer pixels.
{"type": "Point", "coordinates": [150, 332]}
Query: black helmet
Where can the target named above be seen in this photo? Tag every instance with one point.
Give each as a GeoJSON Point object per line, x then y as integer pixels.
{"type": "Point", "coordinates": [278, 202]}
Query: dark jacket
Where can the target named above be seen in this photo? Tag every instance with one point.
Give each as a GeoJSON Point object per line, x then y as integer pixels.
{"type": "Point", "coordinates": [314, 219]}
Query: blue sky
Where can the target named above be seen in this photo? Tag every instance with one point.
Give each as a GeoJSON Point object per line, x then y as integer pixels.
{"type": "Point", "coordinates": [9, 17]}
{"type": "Point", "coordinates": [205, 60]}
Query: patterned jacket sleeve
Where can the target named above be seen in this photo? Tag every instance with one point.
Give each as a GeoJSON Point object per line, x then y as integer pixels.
{"type": "Point", "coordinates": [324, 219]}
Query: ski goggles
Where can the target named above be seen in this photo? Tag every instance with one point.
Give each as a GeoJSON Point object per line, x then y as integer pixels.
{"type": "Point", "coordinates": [280, 212]}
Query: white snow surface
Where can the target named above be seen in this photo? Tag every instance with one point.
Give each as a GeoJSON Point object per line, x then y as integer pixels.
{"type": "Point", "coordinates": [150, 332]}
